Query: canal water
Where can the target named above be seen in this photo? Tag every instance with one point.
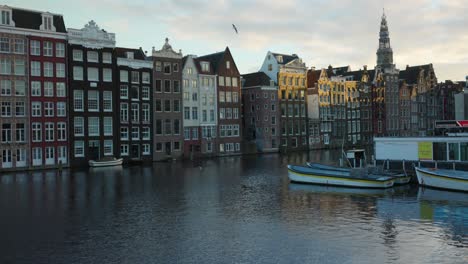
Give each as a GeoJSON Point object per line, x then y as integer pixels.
{"type": "Point", "coordinates": [227, 210]}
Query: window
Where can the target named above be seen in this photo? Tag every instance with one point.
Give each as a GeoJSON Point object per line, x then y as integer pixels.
{"type": "Point", "coordinates": [167, 86]}
{"type": "Point", "coordinates": [93, 101]}
{"type": "Point", "coordinates": [124, 133]}
{"type": "Point", "coordinates": [221, 113]}
{"type": "Point", "coordinates": [6, 87]}
{"type": "Point", "coordinates": [167, 68]}
{"type": "Point", "coordinates": [79, 149]}
{"type": "Point", "coordinates": [123, 76]}
{"type": "Point", "coordinates": [61, 131]}
{"type": "Point", "coordinates": [221, 80]}
{"type": "Point", "coordinates": [195, 113]}
{"type": "Point", "coordinates": [124, 112]}
{"type": "Point", "coordinates": [157, 66]}
{"type": "Point", "coordinates": [77, 55]}
{"type": "Point", "coordinates": [228, 97]}
{"type": "Point", "coordinates": [20, 88]}
{"type": "Point", "coordinates": [6, 109]}
{"type": "Point", "coordinates": [36, 109]}
{"type": "Point", "coordinates": [4, 44]}
{"type": "Point", "coordinates": [205, 66]}
{"type": "Point", "coordinates": [228, 81]}
{"type": "Point", "coordinates": [35, 47]}
{"type": "Point", "coordinates": [167, 105]}
{"type": "Point", "coordinates": [60, 89]}
{"type": "Point", "coordinates": [20, 132]}
{"type": "Point", "coordinates": [157, 85]}
{"type": "Point", "coordinates": [235, 113]}
{"type": "Point", "coordinates": [135, 93]}
{"type": "Point", "coordinates": [186, 133]}
{"type": "Point", "coordinates": [195, 133]}
{"type": "Point", "coordinates": [106, 57]}
{"type": "Point", "coordinates": [234, 81]}
{"type": "Point", "coordinates": [135, 133]}
{"type": "Point", "coordinates": [145, 133]}
{"type": "Point", "coordinates": [145, 93]}
{"type": "Point", "coordinates": [204, 116]}
{"type": "Point", "coordinates": [177, 145]}
{"type": "Point", "coordinates": [123, 91]}
{"type": "Point", "coordinates": [158, 127]}
{"type": "Point", "coordinates": [93, 74]}
{"type": "Point", "coordinates": [135, 77]}
{"type": "Point", "coordinates": [107, 75]}
{"type": "Point", "coordinates": [35, 68]}
{"type": "Point", "coordinates": [36, 132]}
{"type": "Point", "coordinates": [235, 97]}
{"type": "Point", "coordinates": [108, 148]}
{"type": "Point", "coordinates": [145, 77]}
{"type": "Point", "coordinates": [222, 96]}
{"type": "Point", "coordinates": [48, 89]}
{"type": "Point", "coordinates": [61, 109]}
{"type": "Point", "coordinates": [186, 96]}
{"type": "Point", "coordinates": [77, 73]}
{"type": "Point", "coordinates": [78, 128]}
{"type": "Point", "coordinates": [146, 149]}
{"type": "Point", "coordinates": [60, 50]}
{"type": "Point", "coordinates": [49, 132]}
{"type": "Point", "coordinates": [176, 127]}
{"type": "Point", "coordinates": [175, 67]}
{"type": "Point", "coordinates": [194, 97]}
{"type": "Point", "coordinates": [107, 101]}
{"type": "Point", "coordinates": [48, 49]}
{"type": "Point", "coordinates": [93, 56]}
{"type": "Point", "coordinates": [212, 116]}
{"type": "Point", "coordinates": [47, 22]}
{"type": "Point", "coordinates": [107, 126]}
{"type": "Point", "coordinates": [48, 69]}
{"type": "Point", "coordinates": [124, 150]}
{"type": "Point", "coordinates": [5, 17]}
{"type": "Point", "coordinates": [135, 113]}
{"type": "Point", "coordinates": [93, 126]}
{"type": "Point", "coordinates": [228, 64]}
{"type": "Point", "coordinates": [187, 113]}
{"type": "Point", "coordinates": [48, 109]}
{"type": "Point", "coordinates": [78, 104]}
{"type": "Point", "coordinates": [176, 86]}
{"type": "Point", "coordinates": [145, 109]}
{"type": "Point", "coordinates": [167, 127]}
{"type": "Point", "coordinates": [20, 109]}
{"type": "Point", "coordinates": [19, 67]}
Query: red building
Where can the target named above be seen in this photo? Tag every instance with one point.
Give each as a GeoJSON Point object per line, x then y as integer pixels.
{"type": "Point", "coordinates": [46, 71]}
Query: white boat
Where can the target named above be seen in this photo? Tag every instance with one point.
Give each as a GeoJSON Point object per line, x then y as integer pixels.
{"type": "Point", "coordinates": [303, 174]}
{"type": "Point", "coordinates": [400, 178]}
{"type": "Point", "coordinates": [106, 162]}
{"type": "Point", "coordinates": [441, 178]}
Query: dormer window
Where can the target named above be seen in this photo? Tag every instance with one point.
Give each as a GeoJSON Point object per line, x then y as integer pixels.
{"type": "Point", "coordinates": [205, 66]}
{"type": "Point", "coordinates": [129, 55]}
{"type": "Point", "coordinates": [280, 59]}
{"type": "Point", "coordinates": [47, 22]}
{"type": "Point", "coordinates": [6, 17]}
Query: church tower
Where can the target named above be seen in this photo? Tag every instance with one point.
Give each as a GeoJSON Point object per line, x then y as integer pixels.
{"type": "Point", "coordinates": [385, 52]}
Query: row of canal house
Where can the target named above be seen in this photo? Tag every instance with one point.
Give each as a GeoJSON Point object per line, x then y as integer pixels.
{"type": "Point", "coordinates": [71, 95]}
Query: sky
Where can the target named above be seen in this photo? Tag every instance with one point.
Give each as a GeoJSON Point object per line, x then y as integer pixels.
{"type": "Point", "coordinates": [321, 32]}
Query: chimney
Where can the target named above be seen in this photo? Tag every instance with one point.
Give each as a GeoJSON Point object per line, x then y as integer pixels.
{"type": "Point", "coordinates": [365, 67]}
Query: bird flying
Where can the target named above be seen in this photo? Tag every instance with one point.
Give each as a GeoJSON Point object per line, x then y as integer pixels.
{"type": "Point", "coordinates": [235, 28]}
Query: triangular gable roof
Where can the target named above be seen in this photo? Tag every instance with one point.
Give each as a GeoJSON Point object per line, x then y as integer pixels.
{"type": "Point", "coordinates": [214, 60]}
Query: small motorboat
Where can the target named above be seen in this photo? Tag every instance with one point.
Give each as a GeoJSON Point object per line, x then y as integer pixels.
{"type": "Point", "coordinates": [106, 162]}
{"type": "Point", "coordinates": [441, 178]}
{"type": "Point", "coordinates": [400, 178]}
{"type": "Point", "coordinates": [355, 178]}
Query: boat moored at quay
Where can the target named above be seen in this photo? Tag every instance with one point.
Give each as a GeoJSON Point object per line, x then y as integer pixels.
{"type": "Point", "coordinates": [444, 179]}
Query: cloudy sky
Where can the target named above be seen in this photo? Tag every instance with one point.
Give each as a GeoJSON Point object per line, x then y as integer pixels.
{"type": "Point", "coordinates": [322, 32]}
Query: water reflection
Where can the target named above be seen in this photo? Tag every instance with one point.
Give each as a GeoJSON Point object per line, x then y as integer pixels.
{"type": "Point", "coordinates": [236, 209]}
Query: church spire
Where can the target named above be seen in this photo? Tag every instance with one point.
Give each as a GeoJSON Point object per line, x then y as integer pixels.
{"type": "Point", "coordinates": [384, 52]}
